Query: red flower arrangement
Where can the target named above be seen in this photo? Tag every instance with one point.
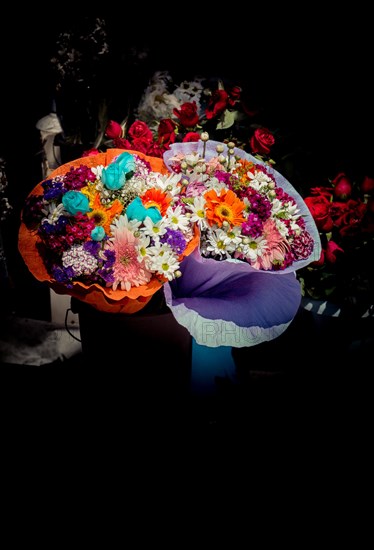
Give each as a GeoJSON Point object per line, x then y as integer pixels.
{"type": "Point", "coordinates": [344, 215]}
{"type": "Point", "coordinates": [224, 115]}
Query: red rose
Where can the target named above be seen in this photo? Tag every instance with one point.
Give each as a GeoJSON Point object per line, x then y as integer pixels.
{"type": "Point", "coordinates": [234, 95]}
{"type": "Point", "coordinates": [113, 130]}
{"type": "Point", "coordinates": [141, 144]}
{"type": "Point", "coordinates": [191, 136]}
{"type": "Point", "coordinates": [166, 132]}
{"type": "Point", "coordinates": [331, 252]}
{"type": "Point", "coordinates": [155, 150]}
{"type": "Point", "coordinates": [139, 129]}
{"type": "Point", "coordinates": [217, 104]}
{"type": "Point", "coordinates": [121, 143]}
{"type": "Point", "coordinates": [342, 187]}
{"type": "Point", "coordinates": [320, 209]}
{"type": "Point", "coordinates": [321, 260]}
{"type": "Point", "coordinates": [90, 152]}
{"type": "Point", "coordinates": [324, 191]}
{"type": "Point", "coordinates": [367, 185]}
{"type": "Point", "coordinates": [262, 141]}
{"type": "Point", "coordinates": [348, 216]}
{"type": "Point", "coordinates": [187, 114]}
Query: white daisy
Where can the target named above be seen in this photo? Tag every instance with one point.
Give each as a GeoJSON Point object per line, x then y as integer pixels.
{"type": "Point", "coordinates": [254, 248]}
{"type": "Point", "coordinates": [154, 230]}
{"type": "Point", "coordinates": [176, 219]}
{"type": "Point", "coordinates": [198, 212]}
{"type": "Point", "coordinates": [164, 263]}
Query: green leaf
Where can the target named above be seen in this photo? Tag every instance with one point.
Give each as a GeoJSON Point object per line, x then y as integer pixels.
{"type": "Point", "coordinates": [227, 120]}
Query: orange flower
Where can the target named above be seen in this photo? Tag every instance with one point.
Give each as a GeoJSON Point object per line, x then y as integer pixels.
{"type": "Point", "coordinates": [157, 198]}
{"type": "Point", "coordinates": [224, 207]}
{"type": "Point", "coordinates": [244, 166]}
{"type": "Point", "coordinates": [102, 215]}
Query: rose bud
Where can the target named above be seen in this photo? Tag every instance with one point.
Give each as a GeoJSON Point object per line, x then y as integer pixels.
{"type": "Point", "coordinates": [342, 187]}
{"type": "Point", "coordinates": [367, 185]}
{"type": "Point", "coordinates": [113, 130]}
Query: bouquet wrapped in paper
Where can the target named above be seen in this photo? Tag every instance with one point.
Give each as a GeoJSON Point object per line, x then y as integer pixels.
{"type": "Point", "coordinates": [109, 229]}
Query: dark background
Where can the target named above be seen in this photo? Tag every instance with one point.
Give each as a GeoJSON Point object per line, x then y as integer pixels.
{"type": "Point", "coordinates": [310, 75]}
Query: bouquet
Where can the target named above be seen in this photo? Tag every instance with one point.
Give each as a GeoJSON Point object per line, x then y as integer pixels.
{"type": "Point", "coordinates": [110, 229]}
{"type": "Point", "coordinates": [245, 210]}
{"type": "Point", "coordinates": [239, 287]}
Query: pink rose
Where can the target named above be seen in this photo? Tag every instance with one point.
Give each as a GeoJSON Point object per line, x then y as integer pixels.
{"type": "Point", "coordinates": [262, 141]}
{"type": "Point", "coordinates": [187, 114]}
{"type": "Point", "coordinates": [113, 130]}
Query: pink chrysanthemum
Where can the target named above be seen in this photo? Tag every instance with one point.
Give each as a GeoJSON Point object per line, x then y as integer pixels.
{"type": "Point", "coordinates": [128, 270]}
{"type": "Point", "coordinates": [277, 248]}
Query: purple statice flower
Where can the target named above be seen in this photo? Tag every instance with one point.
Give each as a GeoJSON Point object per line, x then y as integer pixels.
{"type": "Point", "coordinates": [53, 189]}
{"type": "Point", "coordinates": [46, 229]}
{"type": "Point", "coordinates": [175, 239]}
{"type": "Point", "coordinates": [62, 275]}
{"type": "Point", "coordinates": [253, 226]}
{"type": "Point", "coordinates": [106, 271]}
{"type": "Point", "coordinates": [93, 247]}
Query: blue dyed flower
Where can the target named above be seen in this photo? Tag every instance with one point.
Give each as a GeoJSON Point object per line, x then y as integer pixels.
{"type": "Point", "coordinates": [115, 175]}
{"type": "Point", "coordinates": [75, 201]}
{"type": "Point", "coordinates": [137, 211]}
{"type": "Point", "coordinates": [98, 233]}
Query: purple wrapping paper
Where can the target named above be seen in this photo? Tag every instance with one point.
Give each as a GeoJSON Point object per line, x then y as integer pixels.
{"type": "Point", "coordinates": [231, 303]}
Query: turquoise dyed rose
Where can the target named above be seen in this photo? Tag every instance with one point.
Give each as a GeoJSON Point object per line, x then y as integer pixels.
{"type": "Point", "coordinates": [115, 175]}
{"type": "Point", "coordinates": [136, 211]}
{"type": "Point", "coordinates": [98, 233]}
{"type": "Point", "coordinates": [75, 202]}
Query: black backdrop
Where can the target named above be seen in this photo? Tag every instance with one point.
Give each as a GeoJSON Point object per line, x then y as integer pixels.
{"type": "Point", "coordinates": [310, 73]}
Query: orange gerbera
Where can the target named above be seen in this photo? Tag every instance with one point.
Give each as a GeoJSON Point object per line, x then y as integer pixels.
{"type": "Point", "coordinates": [157, 198]}
{"type": "Point", "coordinates": [103, 214]}
{"type": "Point", "coordinates": [224, 207]}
